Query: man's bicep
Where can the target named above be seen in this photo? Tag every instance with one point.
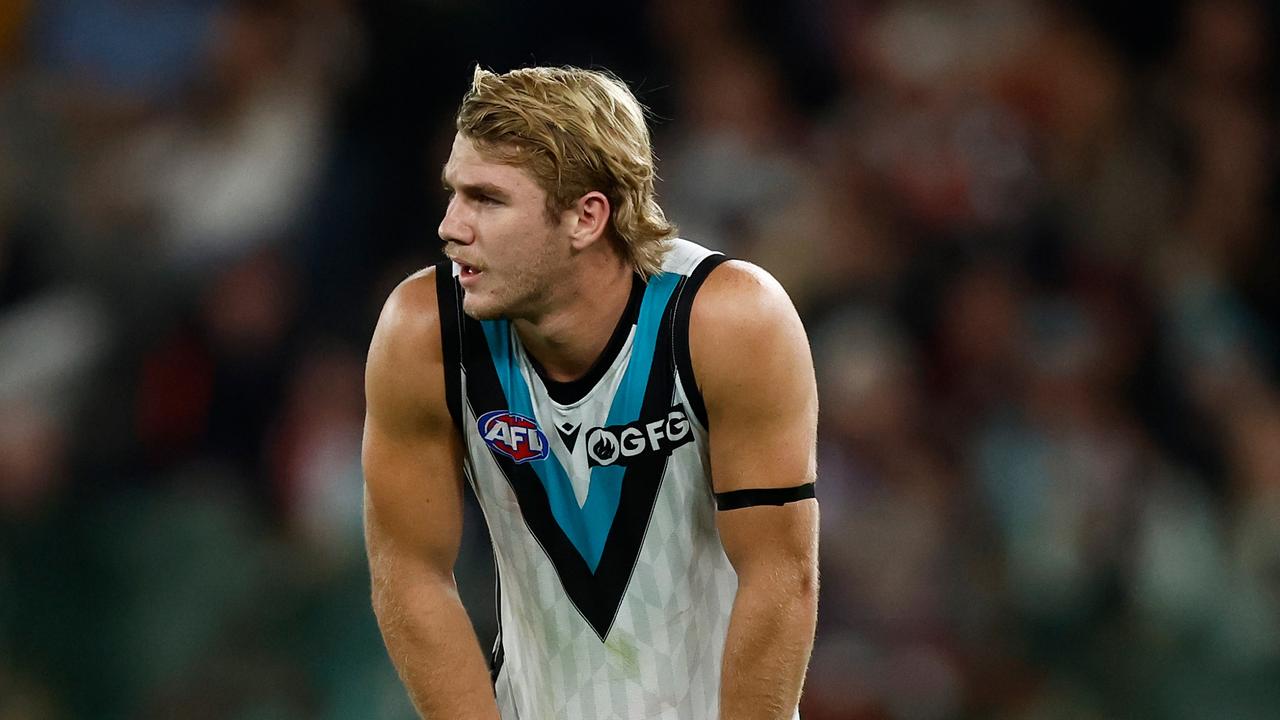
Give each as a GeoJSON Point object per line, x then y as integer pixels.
{"type": "Point", "coordinates": [753, 365]}
{"type": "Point", "coordinates": [411, 451]}
{"type": "Point", "coordinates": [762, 466]}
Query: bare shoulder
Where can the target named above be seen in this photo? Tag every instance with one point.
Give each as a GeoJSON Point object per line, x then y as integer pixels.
{"type": "Point", "coordinates": [739, 311]}
{"type": "Point", "coordinates": [410, 315]}
{"type": "Point", "coordinates": [403, 376]}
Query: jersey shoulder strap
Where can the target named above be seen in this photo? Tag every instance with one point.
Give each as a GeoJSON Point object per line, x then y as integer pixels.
{"type": "Point", "coordinates": [449, 303]}
{"type": "Point", "coordinates": [695, 263]}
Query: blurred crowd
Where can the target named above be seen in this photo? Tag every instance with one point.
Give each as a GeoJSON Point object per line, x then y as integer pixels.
{"type": "Point", "coordinates": [1034, 244]}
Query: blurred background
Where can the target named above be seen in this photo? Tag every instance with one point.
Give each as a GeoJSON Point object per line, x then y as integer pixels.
{"type": "Point", "coordinates": [1029, 240]}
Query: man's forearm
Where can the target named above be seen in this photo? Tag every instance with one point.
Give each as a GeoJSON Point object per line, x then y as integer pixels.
{"type": "Point", "coordinates": [434, 649]}
{"type": "Point", "coordinates": [767, 650]}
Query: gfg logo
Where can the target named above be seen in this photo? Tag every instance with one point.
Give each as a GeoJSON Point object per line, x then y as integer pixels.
{"type": "Point", "coordinates": [622, 444]}
{"type": "Point", "coordinates": [513, 435]}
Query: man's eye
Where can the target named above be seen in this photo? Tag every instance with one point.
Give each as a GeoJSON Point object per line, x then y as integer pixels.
{"type": "Point", "coordinates": [486, 200]}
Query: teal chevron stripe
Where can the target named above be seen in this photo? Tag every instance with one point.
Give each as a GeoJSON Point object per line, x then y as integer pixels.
{"type": "Point", "coordinates": [587, 527]}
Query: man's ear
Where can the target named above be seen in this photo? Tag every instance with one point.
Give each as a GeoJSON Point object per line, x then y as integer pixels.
{"type": "Point", "coordinates": [588, 219]}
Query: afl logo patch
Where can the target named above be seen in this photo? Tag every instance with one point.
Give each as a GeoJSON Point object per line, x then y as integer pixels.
{"type": "Point", "coordinates": [513, 435]}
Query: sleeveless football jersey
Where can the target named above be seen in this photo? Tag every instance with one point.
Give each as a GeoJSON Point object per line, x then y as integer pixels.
{"type": "Point", "coordinates": [614, 590]}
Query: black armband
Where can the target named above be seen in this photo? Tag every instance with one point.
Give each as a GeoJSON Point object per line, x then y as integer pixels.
{"type": "Point", "coordinates": [735, 499]}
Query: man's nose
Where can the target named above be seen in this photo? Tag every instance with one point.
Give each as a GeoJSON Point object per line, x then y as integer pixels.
{"type": "Point", "coordinates": [453, 227]}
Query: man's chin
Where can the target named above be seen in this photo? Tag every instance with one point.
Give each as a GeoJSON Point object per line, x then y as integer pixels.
{"type": "Point", "coordinates": [477, 309]}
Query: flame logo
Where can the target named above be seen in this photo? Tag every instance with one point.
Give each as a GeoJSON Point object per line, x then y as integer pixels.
{"type": "Point", "coordinates": [602, 446]}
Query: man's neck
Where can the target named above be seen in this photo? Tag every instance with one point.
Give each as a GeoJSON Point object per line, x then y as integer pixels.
{"type": "Point", "coordinates": [568, 340]}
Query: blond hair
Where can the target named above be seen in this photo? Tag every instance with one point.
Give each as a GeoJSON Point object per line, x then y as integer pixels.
{"type": "Point", "coordinates": [575, 131]}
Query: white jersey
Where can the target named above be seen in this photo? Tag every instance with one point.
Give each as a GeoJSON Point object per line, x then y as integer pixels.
{"type": "Point", "coordinates": [615, 592]}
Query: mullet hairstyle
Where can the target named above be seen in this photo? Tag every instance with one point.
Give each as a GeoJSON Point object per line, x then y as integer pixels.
{"type": "Point", "coordinates": [575, 131]}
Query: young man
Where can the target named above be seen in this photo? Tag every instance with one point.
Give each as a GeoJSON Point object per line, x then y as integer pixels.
{"type": "Point", "coordinates": [636, 417]}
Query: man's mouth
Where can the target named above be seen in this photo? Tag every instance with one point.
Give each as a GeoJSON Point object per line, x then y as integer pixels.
{"type": "Point", "coordinates": [468, 274]}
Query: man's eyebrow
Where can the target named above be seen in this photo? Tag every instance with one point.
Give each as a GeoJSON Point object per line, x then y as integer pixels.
{"type": "Point", "coordinates": [474, 189]}
{"type": "Point", "coordinates": [479, 188]}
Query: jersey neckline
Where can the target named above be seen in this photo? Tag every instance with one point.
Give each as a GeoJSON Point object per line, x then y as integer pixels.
{"type": "Point", "coordinates": [569, 392]}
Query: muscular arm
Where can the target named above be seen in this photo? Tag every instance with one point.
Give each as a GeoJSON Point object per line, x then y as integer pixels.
{"type": "Point", "coordinates": [752, 361]}
{"type": "Point", "coordinates": [413, 512]}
